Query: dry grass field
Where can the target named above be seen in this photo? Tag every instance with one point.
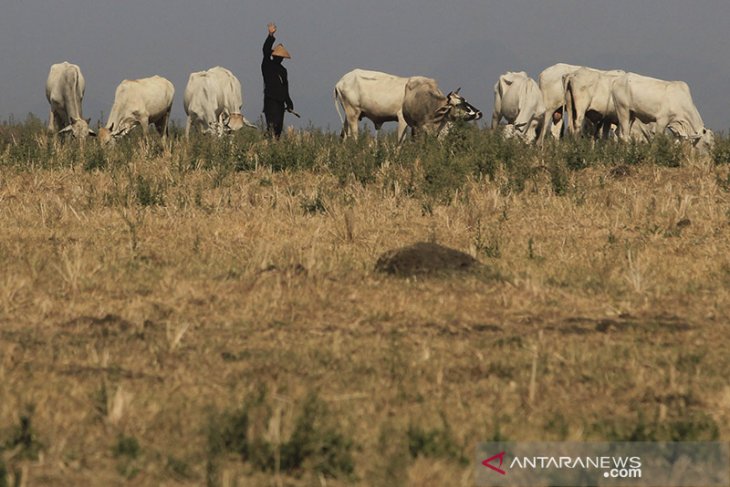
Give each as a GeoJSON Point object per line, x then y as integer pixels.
{"type": "Point", "coordinates": [208, 312]}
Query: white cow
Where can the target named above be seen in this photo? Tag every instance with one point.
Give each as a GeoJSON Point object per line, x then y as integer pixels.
{"type": "Point", "coordinates": [139, 102]}
{"type": "Point", "coordinates": [371, 94]}
{"type": "Point", "coordinates": [426, 108]}
{"type": "Point", "coordinates": [551, 85]}
{"type": "Point", "coordinates": [213, 101]}
{"type": "Point", "coordinates": [518, 99]}
{"type": "Point", "coordinates": [668, 103]}
{"type": "Point", "coordinates": [588, 96]}
{"type": "Point", "coordinates": [65, 88]}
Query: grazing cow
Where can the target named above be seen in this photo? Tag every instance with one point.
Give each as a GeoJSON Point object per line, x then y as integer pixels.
{"type": "Point", "coordinates": [426, 108]}
{"type": "Point", "coordinates": [518, 99]}
{"type": "Point", "coordinates": [668, 103]}
{"type": "Point", "coordinates": [588, 96]}
{"type": "Point", "coordinates": [139, 102]}
{"type": "Point", "coordinates": [551, 85]}
{"type": "Point", "coordinates": [213, 101]}
{"type": "Point", "coordinates": [65, 91]}
{"type": "Point", "coordinates": [370, 94]}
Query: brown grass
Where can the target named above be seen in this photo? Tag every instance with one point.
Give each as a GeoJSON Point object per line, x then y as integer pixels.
{"type": "Point", "coordinates": [606, 317]}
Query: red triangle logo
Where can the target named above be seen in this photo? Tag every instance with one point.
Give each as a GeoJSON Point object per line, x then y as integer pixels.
{"type": "Point", "coordinates": [488, 463]}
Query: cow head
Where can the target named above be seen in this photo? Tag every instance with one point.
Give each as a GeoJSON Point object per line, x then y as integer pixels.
{"type": "Point", "coordinates": [704, 142]}
{"type": "Point", "coordinates": [457, 108]}
{"type": "Point", "coordinates": [232, 122]}
{"type": "Point", "coordinates": [78, 129]}
{"type": "Point", "coordinates": [109, 135]}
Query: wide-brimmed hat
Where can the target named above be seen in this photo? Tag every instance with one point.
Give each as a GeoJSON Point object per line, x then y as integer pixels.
{"type": "Point", "coordinates": [280, 51]}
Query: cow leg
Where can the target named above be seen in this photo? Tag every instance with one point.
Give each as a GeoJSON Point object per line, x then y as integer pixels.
{"type": "Point", "coordinates": [661, 125]}
{"type": "Point", "coordinates": [497, 112]}
{"type": "Point", "coordinates": [402, 127]}
{"type": "Point", "coordinates": [557, 130]}
{"type": "Point", "coordinates": [576, 125]}
{"type": "Point", "coordinates": [544, 128]}
{"type": "Point", "coordinates": [162, 125]}
{"type": "Point", "coordinates": [352, 117]}
{"type": "Point", "coordinates": [144, 122]}
{"type": "Point", "coordinates": [532, 131]}
{"type": "Point", "coordinates": [579, 118]}
{"type": "Point", "coordinates": [624, 123]}
{"type": "Point", "coordinates": [52, 122]}
{"type": "Point", "coordinates": [187, 126]}
{"type": "Point", "coordinates": [606, 129]}
{"type": "Point", "coordinates": [538, 129]}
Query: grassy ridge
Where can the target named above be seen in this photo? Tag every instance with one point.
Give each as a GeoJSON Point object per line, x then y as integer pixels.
{"type": "Point", "coordinates": [207, 311]}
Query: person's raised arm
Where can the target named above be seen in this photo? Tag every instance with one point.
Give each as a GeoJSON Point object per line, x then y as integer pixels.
{"type": "Point", "coordinates": [269, 43]}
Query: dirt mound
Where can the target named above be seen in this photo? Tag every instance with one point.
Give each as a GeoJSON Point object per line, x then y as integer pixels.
{"type": "Point", "coordinates": [424, 258]}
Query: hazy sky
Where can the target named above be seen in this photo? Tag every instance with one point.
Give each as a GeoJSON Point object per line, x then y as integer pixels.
{"type": "Point", "coordinates": [466, 43]}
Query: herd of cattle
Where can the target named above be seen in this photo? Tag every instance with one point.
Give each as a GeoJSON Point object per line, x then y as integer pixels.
{"type": "Point", "coordinates": [596, 100]}
{"type": "Point", "coordinates": [590, 101]}
{"type": "Point", "coordinates": [212, 100]}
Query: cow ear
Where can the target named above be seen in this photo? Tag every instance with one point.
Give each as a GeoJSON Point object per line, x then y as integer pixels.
{"type": "Point", "coordinates": [92, 133]}
{"type": "Point", "coordinates": [442, 111]}
{"type": "Point", "coordinates": [88, 121]}
{"type": "Point", "coordinates": [73, 120]}
{"type": "Point", "coordinates": [65, 130]}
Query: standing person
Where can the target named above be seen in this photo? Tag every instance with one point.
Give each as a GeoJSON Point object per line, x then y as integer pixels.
{"type": "Point", "coordinates": [276, 84]}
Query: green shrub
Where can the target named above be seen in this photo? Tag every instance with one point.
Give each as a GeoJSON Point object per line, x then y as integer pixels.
{"type": "Point", "coordinates": [686, 425]}
{"type": "Point", "coordinates": [149, 192]}
{"type": "Point", "coordinates": [666, 151]}
{"type": "Point", "coordinates": [318, 442]}
{"type": "Point", "coordinates": [721, 151]}
{"type": "Point", "coordinates": [126, 446]}
{"type": "Point", "coordinates": [315, 444]}
{"type": "Point", "coordinates": [435, 443]}
{"type": "Point", "coordinates": [95, 158]}
{"type": "Point", "coordinates": [24, 438]}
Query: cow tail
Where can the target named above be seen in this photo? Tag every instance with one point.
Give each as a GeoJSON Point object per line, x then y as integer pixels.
{"type": "Point", "coordinates": [338, 100]}
{"type": "Point", "coordinates": [569, 105]}
{"type": "Point", "coordinates": [77, 90]}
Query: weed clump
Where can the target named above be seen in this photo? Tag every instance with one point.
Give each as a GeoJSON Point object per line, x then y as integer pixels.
{"type": "Point", "coordinates": [24, 438]}
{"type": "Point", "coordinates": [127, 450]}
{"type": "Point", "coordinates": [721, 151]}
{"type": "Point", "coordinates": [435, 442]}
{"type": "Point", "coordinates": [316, 443]}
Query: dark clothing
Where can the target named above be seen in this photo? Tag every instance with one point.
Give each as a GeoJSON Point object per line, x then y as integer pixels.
{"type": "Point", "coordinates": [276, 88]}
{"type": "Point", "coordinates": [274, 113]}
